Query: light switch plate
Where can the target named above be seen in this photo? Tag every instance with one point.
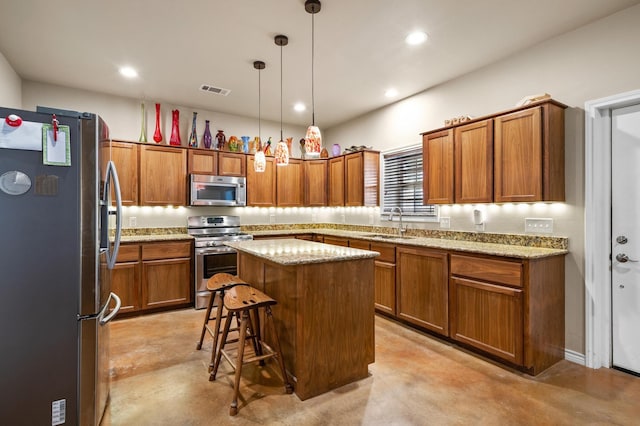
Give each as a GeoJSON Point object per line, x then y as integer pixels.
{"type": "Point", "coordinates": [272, 219]}
{"type": "Point", "coordinates": [445, 222]}
{"type": "Point", "coordinates": [538, 225]}
{"type": "Point", "coordinates": [133, 221]}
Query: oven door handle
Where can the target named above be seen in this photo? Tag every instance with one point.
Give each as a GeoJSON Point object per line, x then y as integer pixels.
{"type": "Point", "coordinates": [216, 250]}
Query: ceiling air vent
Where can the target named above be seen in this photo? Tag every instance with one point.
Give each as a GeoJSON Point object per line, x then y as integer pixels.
{"type": "Point", "coordinates": [214, 89]}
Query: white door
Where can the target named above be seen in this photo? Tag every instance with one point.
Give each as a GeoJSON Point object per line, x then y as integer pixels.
{"type": "Point", "coordinates": [625, 232]}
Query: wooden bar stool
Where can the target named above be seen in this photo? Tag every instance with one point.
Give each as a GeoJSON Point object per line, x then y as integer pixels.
{"type": "Point", "coordinates": [245, 301]}
{"type": "Point", "coordinates": [217, 285]}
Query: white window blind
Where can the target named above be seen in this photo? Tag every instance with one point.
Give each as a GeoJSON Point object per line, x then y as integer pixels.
{"type": "Point", "coordinates": [403, 184]}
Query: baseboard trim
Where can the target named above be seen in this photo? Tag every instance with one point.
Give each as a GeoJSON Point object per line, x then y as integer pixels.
{"type": "Point", "coordinates": [574, 356]}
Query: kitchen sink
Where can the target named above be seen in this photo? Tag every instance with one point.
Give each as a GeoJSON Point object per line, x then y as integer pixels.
{"type": "Point", "coordinates": [390, 236]}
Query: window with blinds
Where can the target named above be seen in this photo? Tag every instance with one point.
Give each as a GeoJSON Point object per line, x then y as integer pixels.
{"type": "Point", "coordinates": [403, 185]}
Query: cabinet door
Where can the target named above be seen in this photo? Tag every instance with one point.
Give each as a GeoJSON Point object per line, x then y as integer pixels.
{"type": "Point", "coordinates": [163, 176]}
{"type": "Point", "coordinates": [336, 181]}
{"type": "Point", "coordinates": [315, 182]}
{"type": "Point", "coordinates": [518, 156]}
{"type": "Point", "coordinates": [362, 174]}
{"type": "Point", "coordinates": [336, 241]}
{"type": "Point", "coordinates": [290, 184]}
{"type": "Point", "coordinates": [261, 187]}
{"type": "Point", "coordinates": [474, 162]}
{"type": "Point", "coordinates": [488, 317]}
{"type": "Point", "coordinates": [231, 164]}
{"type": "Point", "coordinates": [203, 162]}
{"type": "Point", "coordinates": [125, 282]}
{"type": "Point", "coordinates": [166, 282]}
{"type": "Point", "coordinates": [437, 162]}
{"type": "Point", "coordinates": [125, 157]}
{"type": "Point", "coordinates": [385, 291]}
{"type": "Point", "coordinates": [422, 286]}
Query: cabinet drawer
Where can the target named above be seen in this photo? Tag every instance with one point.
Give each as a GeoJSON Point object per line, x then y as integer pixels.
{"type": "Point", "coordinates": [498, 271]}
{"type": "Point", "coordinates": [166, 250]}
{"type": "Point", "coordinates": [128, 253]}
{"type": "Point", "coordinates": [387, 252]}
{"type": "Point", "coordinates": [359, 244]}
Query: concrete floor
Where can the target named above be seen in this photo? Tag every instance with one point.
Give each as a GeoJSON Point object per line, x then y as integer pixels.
{"type": "Point", "coordinates": [160, 379]}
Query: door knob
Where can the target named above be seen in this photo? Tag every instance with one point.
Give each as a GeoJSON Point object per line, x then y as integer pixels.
{"type": "Point", "coordinates": [623, 258]}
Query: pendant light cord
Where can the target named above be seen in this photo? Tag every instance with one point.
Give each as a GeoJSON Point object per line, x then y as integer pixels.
{"type": "Point", "coordinates": [281, 92]}
{"type": "Point", "coordinates": [313, 101]}
{"type": "Point", "coordinates": [259, 109]}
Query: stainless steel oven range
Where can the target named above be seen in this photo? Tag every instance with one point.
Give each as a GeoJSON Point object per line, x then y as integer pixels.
{"type": "Point", "coordinates": [211, 255]}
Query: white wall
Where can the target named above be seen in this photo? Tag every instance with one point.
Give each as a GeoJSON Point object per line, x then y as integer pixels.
{"type": "Point", "coordinates": [594, 61]}
{"type": "Point", "coordinates": [10, 85]}
{"type": "Point", "coordinates": [124, 116]}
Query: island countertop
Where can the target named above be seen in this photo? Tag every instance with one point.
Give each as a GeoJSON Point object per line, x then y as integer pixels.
{"type": "Point", "coordinates": [290, 251]}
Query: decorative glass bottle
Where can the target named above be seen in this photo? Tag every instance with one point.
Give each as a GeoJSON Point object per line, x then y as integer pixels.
{"type": "Point", "coordinates": [335, 150]}
{"type": "Point", "coordinates": [175, 128]}
{"type": "Point", "coordinates": [143, 124]}
{"type": "Point", "coordinates": [193, 138]}
{"type": "Point", "coordinates": [157, 136]}
{"type": "Point", "coordinates": [289, 142]}
{"type": "Point", "coordinates": [206, 137]}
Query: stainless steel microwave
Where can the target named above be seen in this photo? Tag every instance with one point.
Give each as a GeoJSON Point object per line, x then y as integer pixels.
{"type": "Point", "coordinates": [208, 190]}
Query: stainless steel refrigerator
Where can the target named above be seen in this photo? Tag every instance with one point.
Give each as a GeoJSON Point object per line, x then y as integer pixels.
{"type": "Point", "coordinates": [56, 252]}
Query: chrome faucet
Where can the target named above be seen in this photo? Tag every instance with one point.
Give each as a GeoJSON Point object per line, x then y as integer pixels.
{"type": "Point", "coordinates": [401, 230]}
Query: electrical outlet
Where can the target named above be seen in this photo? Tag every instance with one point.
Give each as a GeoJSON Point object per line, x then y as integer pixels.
{"type": "Point", "coordinates": [479, 227]}
{"type": "Point", "coordinates": [370, 219]}
{"type": "Point", "coordinates": [343, 218]}
{"type": "Point", "coordinates": [538, 225]}
{"type": "Point", "coordinates": [272, 219]}
{"type": "Point", "coordinates": [314, 217]}
{"type": "Point", "coordinates": [445, 222]}
{"type": "Point", "coordinates": [133, 221]}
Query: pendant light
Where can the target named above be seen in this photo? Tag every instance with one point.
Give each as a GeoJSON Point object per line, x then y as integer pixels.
{"type": "Point", "coordinates": [282, 152]}
{"type": "Point", "coordinates": [259, 161]}
{"type": "Point", "coordinates": [313, 139]}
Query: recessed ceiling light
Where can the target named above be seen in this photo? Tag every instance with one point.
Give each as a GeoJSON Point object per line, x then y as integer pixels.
{"type": "Point", "coordinates": [299, 107]}
{"type": "Point", "coordinates": [390, 93]}
{"type": "Point", "coordinates": [416, 37]}
{"type": "Point", "coordinates": [128, 72]}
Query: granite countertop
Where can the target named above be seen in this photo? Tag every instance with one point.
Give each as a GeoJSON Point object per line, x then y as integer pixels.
{"type": "Point", "coordinates": [496, 249]}
{"type": "Point", "coordinates": [155, 237]}
{"type": "Point", "coordinates": [291, 251]}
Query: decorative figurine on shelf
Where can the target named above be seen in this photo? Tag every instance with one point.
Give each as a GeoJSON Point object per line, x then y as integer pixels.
{"type": "Point", "coordinates": [175, 128]}
{"type": "Point", "coordinates": [335, 150]}
{"type": "Point", "coordinates": [157, 136]}
{"type": "Point", "coordinates": [143, 124]}
{"type": "Point", "coordinates": [267, 149]}
{"type": "Point", "coordinates": [255, 145]}
{"type": "Point", "coordinates": [206, 137]}
{"type": "Point", "coordinates": [193, 138]}
{"type": "Point", "coordinates": [289, 142]}
{"type": "Point", "coordinates": [324, 153]}
{"type": "Point", "coordinates": [245, 144]}
{"type": "Point", "coordinates": [221, 140]}
{"type": "Point", "coordinates": [302, 143]}
{"type": "Point", "coordinates": [233, 144]}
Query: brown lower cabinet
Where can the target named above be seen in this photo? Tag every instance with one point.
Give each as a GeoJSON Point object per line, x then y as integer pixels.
{"type": "Point", "coordinates": [154, 275]}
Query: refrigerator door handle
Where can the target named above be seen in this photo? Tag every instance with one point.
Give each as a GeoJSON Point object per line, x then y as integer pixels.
{"type": "Point", "coordinates": [112, 174]}
{"type": "Point", "coordinates": [104, 320]}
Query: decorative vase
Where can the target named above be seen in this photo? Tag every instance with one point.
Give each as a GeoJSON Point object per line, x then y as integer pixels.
{"type": "Point", "coordinates": [313, 142]}
{"type": "Point", "coordinates": [255, 145]}
{"type": "Point", "coordinates": [143, 124]}
{"type": "Point", "coordinates": [221, 139]}
{"type": "Point", "coordinates": [206, 137]}
{"type": "Point", "coordinates": [245, 144]}
{"type": "Point", "coordinates": [233, 144]}
{"type": "Point", "coordinates": [193, 138]}
{"type": "Point", "coordinates": [157, 136]}
{"type": "Point", "coordinates": [267, 148]}
{"type": "Point", "coordinates": [289, 142]}
{"type": "Point", "coordinates": [175, 128]}
{"type": "Point", "coordinates": [302, 144]}
{"type": "Point", "coordinates": [335, 150]}
{"type": "Point", "coordinates": [324, 153]}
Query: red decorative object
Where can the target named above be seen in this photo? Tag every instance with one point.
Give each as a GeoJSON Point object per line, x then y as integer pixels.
{"type": "Point", "coordinates": [157, 136]}
{"type": "Point", "coordinates": [13, 120]}
{"type": "Point", "coordinates": [175, 130]}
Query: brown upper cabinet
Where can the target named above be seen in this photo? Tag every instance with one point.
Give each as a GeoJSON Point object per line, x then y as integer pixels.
{"type": "Point", "coordinates": [315, 183]}
{"type": "Point", "coordinates": [231, 164]}
{"type": "Point", "coordinates": [261, 187]}
{"type": "Point", "coordinates": [163, 175]}
{"type": "Point", "coordinates": [336, 181]}
{"type": "Point", "coordinates": [202, 162]}
{"type": "Point", "coordinates": [512, 156]}
{"type": "Point", "coordinates": [361, 177]}
{"type": "Point", "coordinates": [290, 184]}
{"type": "Point", "coordinates": [125, 157]}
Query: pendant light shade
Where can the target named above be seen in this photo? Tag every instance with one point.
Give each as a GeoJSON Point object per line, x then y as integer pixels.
{"type": "Point", "coordinates": [259, 161]}
{"type": "Point", "coordinates": [282, 152]}
{"type": "Point", "coordinates": [313, 138]}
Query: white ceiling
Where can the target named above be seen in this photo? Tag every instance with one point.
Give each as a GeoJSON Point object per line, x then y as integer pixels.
{"type": "Point", "coordinates": [359, 47]}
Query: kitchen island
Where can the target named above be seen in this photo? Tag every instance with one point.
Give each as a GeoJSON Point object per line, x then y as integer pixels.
{"type": "Point", "coordinates": [325, 311]}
